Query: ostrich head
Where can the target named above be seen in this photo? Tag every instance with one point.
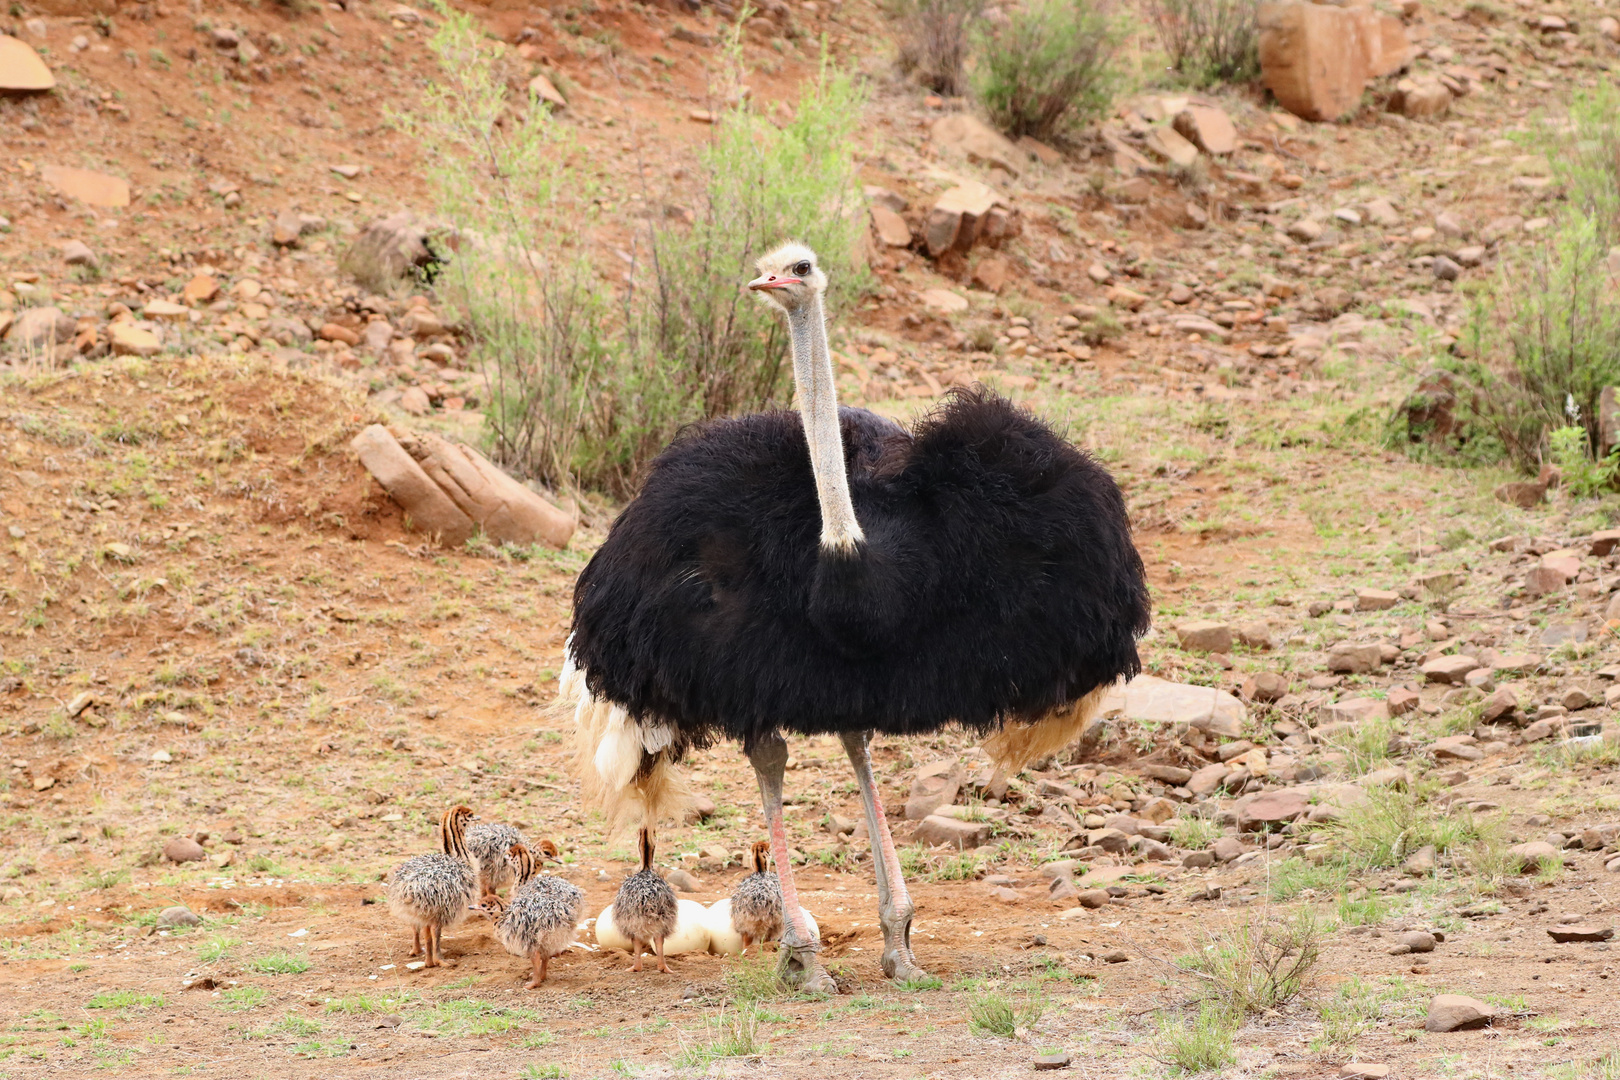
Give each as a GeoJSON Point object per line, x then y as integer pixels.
{"type": "Point", "coordinates": [789, 277]}
{"type": "Point", "coordinates": [548, 850]}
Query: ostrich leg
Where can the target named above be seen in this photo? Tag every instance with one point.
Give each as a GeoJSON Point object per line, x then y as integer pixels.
{"type": "Point", "coordinates": [894, 903]}
{"type": "Point", "coordinates": [799, 967]}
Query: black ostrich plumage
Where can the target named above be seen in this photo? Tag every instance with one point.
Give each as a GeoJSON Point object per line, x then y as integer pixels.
{"type": "Point", "coordinates": [997, 580]}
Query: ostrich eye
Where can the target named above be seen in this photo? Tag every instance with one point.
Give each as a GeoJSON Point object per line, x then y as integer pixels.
{"type": "Point", "coordinates": [801, 268]}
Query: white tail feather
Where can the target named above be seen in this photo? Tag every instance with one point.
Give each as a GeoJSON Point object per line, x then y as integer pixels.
{"type": "Point", "coordinates": [624, 768]}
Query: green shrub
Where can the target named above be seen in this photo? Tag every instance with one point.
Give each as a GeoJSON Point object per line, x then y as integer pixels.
{"type": "Point", "coordinates": [1545, 339]}
{"type": "Point", "coordinates": [933, 36]}
{"type": "Point", "coordinates": [1049, 68]}
{"type": "Point", "coordinates": [1200, 1043]}
{"type": "Point", "coordinates": [1209, 41]}
{"type": "Point", "coordinates": [586, 386]}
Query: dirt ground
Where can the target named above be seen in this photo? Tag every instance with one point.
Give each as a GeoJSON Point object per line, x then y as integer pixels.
{"type": "Point", "coordinates": [214, 625]}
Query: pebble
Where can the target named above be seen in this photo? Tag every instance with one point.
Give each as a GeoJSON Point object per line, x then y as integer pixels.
{"type": "Point", "coordinates": [1455, 1012]}
{"type": "Point", "coordinates": [1445, 269]}
{"type": "Point", "coordinates": [1562, 934]}
{"type": "Point", "coordinates": [78, 253]}
{"type": "Point", "coordinates": [1051, 1061]}
{"type": "Point", "coordinates": [183, 849]}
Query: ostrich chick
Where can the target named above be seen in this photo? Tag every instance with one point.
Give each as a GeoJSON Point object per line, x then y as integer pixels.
{"type": "Point", "coordinates": [645, 909]}
{"type": "Point", "coordinates": [432, 892]}
{"type": "Point", "coordinates": [756, 905]}
{"type": "Point", "coordinates": [488, 843]}
{"type": "Point", "coordinates": [540, 920]}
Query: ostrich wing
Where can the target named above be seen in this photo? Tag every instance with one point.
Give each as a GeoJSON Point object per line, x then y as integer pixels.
{"type": "Point", "coordinates": [998, 581]}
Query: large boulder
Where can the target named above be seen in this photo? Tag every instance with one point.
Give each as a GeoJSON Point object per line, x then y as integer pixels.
{"type": "Point", "coordinates": [391, 251]}
{"type": "Point", "coordinates": [503, 509]}
{"type": "Point", "coordinates": [958, 218]}
{"type": "Point", "coordinates": [1317, 59]}
{"type": "Point", "coordinates": [21, 69]}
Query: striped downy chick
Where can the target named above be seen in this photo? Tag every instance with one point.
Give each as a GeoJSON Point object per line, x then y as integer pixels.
{"type": "Point", "coordinates": [432, 892]}
{"type": "Point", "coordinates": [488, 844]}
{"type": "Point", "coordinates": [756, 904]}
{"type": "Point", "coordinates": [540, 920]}
{"type": "Point", "coordinates": [645, 908]}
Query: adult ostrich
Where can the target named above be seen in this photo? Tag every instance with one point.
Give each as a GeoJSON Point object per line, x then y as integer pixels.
{"type": "Point", "coordinates": [827, 571]}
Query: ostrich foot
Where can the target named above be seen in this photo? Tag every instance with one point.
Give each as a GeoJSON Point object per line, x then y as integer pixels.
{"type": "Point", "coordinates": [899, 962]}
{"type": "Point", "coordinates": [799, 969]}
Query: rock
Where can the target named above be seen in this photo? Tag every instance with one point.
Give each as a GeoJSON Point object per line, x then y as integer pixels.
{"type": "Point", "coordinates": [1227, 849]}
{"type": "Point", "coordinates": [935, 830]}
{"type": "Point", "coordinates": [1532, 856]}
{"type": "Point", "coordinates": [1376, 599]}
{"type": "Point", "coordinates": [543, 89]}
{"type": "Point", "coordinates": [178, 916]}
{"type": "Point", "coordinates": [183, 849]}
{"type": "Point", "coordinates": [681, 881]}
{"type": "Point", "coordinates": [166, 311]}
{"type": "Point", "coordinates": [1173, 775]}
{"type": "Point", "coordinates": [1171, 146]}
{"type": "Point", "coordinates": [338, 332]}
{"type": "Point", "coordinates": [1418, 941]}
{"type": "Point", "coordinates": [1525, 494]}
{"type": "Point", "coordinates": [1363, 1070]}
{"type": "Point", "coordinates": [501, 507]}
{"type": "Point", "coordinates": [431, 510]}
{"type": "Point", "coordinates": [1255, 635]}
{"type": "Point", "coordinates": [1264, 686]}
{"type": "Point", "coordinates": [943, 300]}
{"type": "Point", "coordinates": [1381, 212]}
{"type": "Point", "coordinates": [1401, 701]}
{"type": "Point", "coordinates": [1560, 633]}
{"type": "Point", "coordinates": [1576, 698]}
{"type": "Point", "coordinates": [201, 289]}
{"type": "Point", "coordinates": [1444, 269]}
{"type": "Point", "coordinates": [957, 216]}
{"type": "Point", "coordinates": [890, 227]}
{"type": "Point", "coordinates": [1456, 748]}
{"type": "Point", "coordinates": [991, 274]}
{"type": "Point", "coordinates": [1154, 700]}
{"type": "Point", "coordinates": [1602, 543]}
{"type": "Point", "coordinates": [936, 785]}
{"type": "Point", "coordinates": [294, 333]}
{"type": "Point", "coordinates": [882, 196]}
{"type": "Point", "coordinates": [1417, 98]}
{"type": "Point", "coordinates": [1353, 711]}
{"type": "Point", "coordinates": [128, 339]}
{"type": "Point", "coordinates": [1421, 863]}
{"type": "Point", "coordinates": [287, 228]}
{"type": "Point", "coordinates": [1454, 1012]}
{"type": "Point", "coordinates": [1093, 898]}
{"type": "Point", "coordinates": [1208, 128]}
{"type": "Point", "coordinates": [981, 143]}
{"type": "Point", "coordinates": [1471, 255]}
{"type": "Point", "coordinates": [391, 250]}
{"type": "Point", "coordinates": [21, 69]}
{"type": "Point", "coordinates": [1205, 636]}
{"type": "Point", "coordinates": [1114, 841]}
{"type": "Point", "coordinates": [40, 328]}
{"type": "Point", "coordinates": [1541, 729]}
{"type": "Point", "coordinates": [377, 336]}
{"type": "Point", "coordinates": [78, 253]}
{"type": "Point", "coordinates": [1198, 860]}
{"type": "Point", "coordinates": [1054, 1060]}
{"type": "Point", "coordinates": [1609, 27]}
{"type": "Point", "coordinates": [1271, 808]}
{"type": "Point", "coordinates": [1450, 670]}
{"type": "Point", "coordinates": [93, 188]}
{"type": "Point", "coordinates": [1563, 934]}
{"type": "Point", "coordinates": [1348, 658]}
{"type": "Point", "coordinates": [1207, 779]}
{"type": "Point", "coordinates": [1316, 60]}
{"type": "Point", "coordinates": [703, 808]}
{"type": "Point", "coordinates": [1306, 230]}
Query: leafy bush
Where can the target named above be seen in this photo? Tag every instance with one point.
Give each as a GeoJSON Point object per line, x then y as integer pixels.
{"type": "Point", "coordinates": [933, 38]}
{"type": "Point", "coordinates": [1049, 68]}
{"type": "Point", "coordinates": [1579, 471]}
{"type": "Point", "coordinates": [527, 299]}
{"type": "Point", "coordinates": [1545, 339]}
{"type": "Point", "coordinates": [585, 387]}
{"type": "Point", "coordinates": [701, 346]}
{"type": "Point", "coordinates": [1252, 967]}
{"type": "Point", "coordinates": [1209, 41]}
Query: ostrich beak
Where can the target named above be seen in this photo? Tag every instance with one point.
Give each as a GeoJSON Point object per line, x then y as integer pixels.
{"type": "Point", "coordinates": [772, 281]}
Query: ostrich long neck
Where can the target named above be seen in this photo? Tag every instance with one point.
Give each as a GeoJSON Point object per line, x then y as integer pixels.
{"type": "Point", "coordinates": [818, 405]}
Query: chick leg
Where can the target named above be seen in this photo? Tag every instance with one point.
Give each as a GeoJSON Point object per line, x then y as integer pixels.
{"type": "Point", "coordinates": [663, 965]}
{"type": "Point", "coordinates": [537, 959]}
{"type": "Point", "coordinates": [797, 965]}
{"type": "Point", "coordinates": [432, 947]}
{"type": "Point", "coordinates": [895, 908]}
{"type": "Point", "coordinates": [416, 942]}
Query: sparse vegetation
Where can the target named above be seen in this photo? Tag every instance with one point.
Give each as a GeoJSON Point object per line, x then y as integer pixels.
{"type": "Point", "coordinates": [934, 39]}
{"type": "Point", "coordinates": [1209, 41]}
{"type": "Point", "coordinates": [1049, 68]}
